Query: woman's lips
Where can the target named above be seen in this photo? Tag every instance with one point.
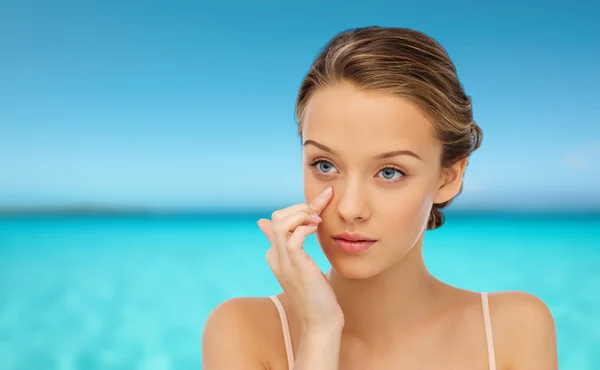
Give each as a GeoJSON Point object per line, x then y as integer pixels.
{"type": "Point", "coordinates": [352, 246]}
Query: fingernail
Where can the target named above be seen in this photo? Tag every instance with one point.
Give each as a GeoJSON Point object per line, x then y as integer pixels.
{"type": "Point", "coordinates": [316, 217]}
{"type": "Point", "coordinates": [326, 192]}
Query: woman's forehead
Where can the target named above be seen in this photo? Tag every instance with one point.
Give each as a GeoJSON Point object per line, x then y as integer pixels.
{"type": "Point", "coordinates": [349, 118]}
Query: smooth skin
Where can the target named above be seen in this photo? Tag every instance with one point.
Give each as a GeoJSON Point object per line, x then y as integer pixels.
{"type": "Point", "coordinates": [381, 309]}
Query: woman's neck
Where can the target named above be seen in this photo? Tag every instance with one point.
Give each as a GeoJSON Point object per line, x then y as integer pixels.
{"type": "Point", "coordinates": [376, 309]}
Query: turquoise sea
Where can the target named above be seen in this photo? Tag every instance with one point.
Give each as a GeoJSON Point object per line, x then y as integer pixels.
{"type": "Point", "coordinates": [133, 292]}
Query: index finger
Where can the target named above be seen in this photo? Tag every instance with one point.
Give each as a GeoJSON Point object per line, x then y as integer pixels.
{"type": "Point", "coordinates": [320, 202]}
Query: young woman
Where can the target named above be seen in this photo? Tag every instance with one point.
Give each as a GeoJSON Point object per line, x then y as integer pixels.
{"type": "Point", "coordinates": [387, 131]}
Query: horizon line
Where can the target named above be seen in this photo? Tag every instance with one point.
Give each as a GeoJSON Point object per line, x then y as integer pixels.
{"type": "Point", "coordinates": [95, 210]}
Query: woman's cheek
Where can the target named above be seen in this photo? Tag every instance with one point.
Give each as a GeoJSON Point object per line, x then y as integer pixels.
{"type": "Point", "coordinates": [312, 187]}
{"type": "Point", "coordinates": [409, 206]}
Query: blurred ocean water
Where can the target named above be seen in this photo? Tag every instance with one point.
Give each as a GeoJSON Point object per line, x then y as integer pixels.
{"type": "Point", "coordinates": [93, 292]}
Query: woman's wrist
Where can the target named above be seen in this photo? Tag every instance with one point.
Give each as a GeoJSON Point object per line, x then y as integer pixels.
{"type": "Point", "coordinates": [319, 349]}
{"type": "Point", "coordinates": [321, 333]}
{"type": "Point", "coordinates": [331, 327]}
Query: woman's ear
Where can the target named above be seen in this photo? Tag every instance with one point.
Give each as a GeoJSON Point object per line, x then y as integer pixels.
{"type": "Point", "coordinates": [450, 183]}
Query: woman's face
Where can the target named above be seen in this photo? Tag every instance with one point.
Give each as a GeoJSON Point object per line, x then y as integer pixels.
{"type": "Point", "coordinates": [380, 156]}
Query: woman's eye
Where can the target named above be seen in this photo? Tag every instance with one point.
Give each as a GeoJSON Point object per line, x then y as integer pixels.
{"type": "Point", "coordinates": [391, 173]}
{"type": "Point", "coordinates": [324, 167]}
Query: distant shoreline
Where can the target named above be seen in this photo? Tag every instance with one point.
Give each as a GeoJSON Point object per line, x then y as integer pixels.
{"type": "Point", "coordinates": [78, 210]}
{"type": "Point", "coordinates": [92, 211]}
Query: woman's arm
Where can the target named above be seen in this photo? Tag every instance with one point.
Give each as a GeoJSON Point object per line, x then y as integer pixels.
{"type": "Point", "coordinates": [319, 350]}
{"type": "Point", "coordinates": [232, 341]}
{"type": "Point", "coordinates": [228, 340]}
{"type": "Point", "coordinates": [526, 330]}
{"type": "Point", "coordinates": [536, 343]}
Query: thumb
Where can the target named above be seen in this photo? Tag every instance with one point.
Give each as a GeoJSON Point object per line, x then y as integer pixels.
{"type": "Point", "coordinates": [265, 227]}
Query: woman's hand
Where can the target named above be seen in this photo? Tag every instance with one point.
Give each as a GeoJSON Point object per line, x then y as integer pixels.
{"type": "Point", "coordinates": [308, 289]}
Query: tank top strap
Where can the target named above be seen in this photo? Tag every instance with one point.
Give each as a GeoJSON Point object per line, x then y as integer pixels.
{"type": "Point", "coordinates": [287, 338]}
{"type": "Point", "coordinates": [488, 330]}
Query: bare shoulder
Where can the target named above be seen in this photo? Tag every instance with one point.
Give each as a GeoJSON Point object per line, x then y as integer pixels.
{"type": "Point", "coordinates": [234, 334]}
{"type": "Point", "coordinates": [524, 331]}
{"type": "Point", "coordinates": [521, 313]}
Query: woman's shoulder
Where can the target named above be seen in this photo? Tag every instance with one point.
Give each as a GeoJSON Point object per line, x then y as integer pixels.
{"type": "Point", "coordinates": [523, 329]}
{"type": "Point", "coordinates": [241, 327]}
{"type": "Point", "coordinates": [240, 308]}
{"type": "Point", "coordinates": [242, 316]}
{"type": "Point", "coordinates": [526, 309]}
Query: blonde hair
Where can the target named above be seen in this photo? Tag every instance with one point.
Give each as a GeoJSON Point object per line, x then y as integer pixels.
{"type": "Point", "coordinates": [404, 63]}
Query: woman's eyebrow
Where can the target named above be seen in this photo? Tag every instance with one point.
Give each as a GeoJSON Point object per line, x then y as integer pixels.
{"type": "Point", "coordinates": [378, 156]}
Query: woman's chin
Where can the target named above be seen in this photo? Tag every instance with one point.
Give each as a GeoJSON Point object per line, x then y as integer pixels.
{"type": "Point", "coordinates": [358, 269]}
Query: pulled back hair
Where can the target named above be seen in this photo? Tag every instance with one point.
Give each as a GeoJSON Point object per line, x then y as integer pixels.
{"type": "Point", "coordinates": [408, 64]}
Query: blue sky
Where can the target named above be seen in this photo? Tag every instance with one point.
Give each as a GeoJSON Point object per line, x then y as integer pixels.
{"type": "Point", "coordinates": [189, 105]}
